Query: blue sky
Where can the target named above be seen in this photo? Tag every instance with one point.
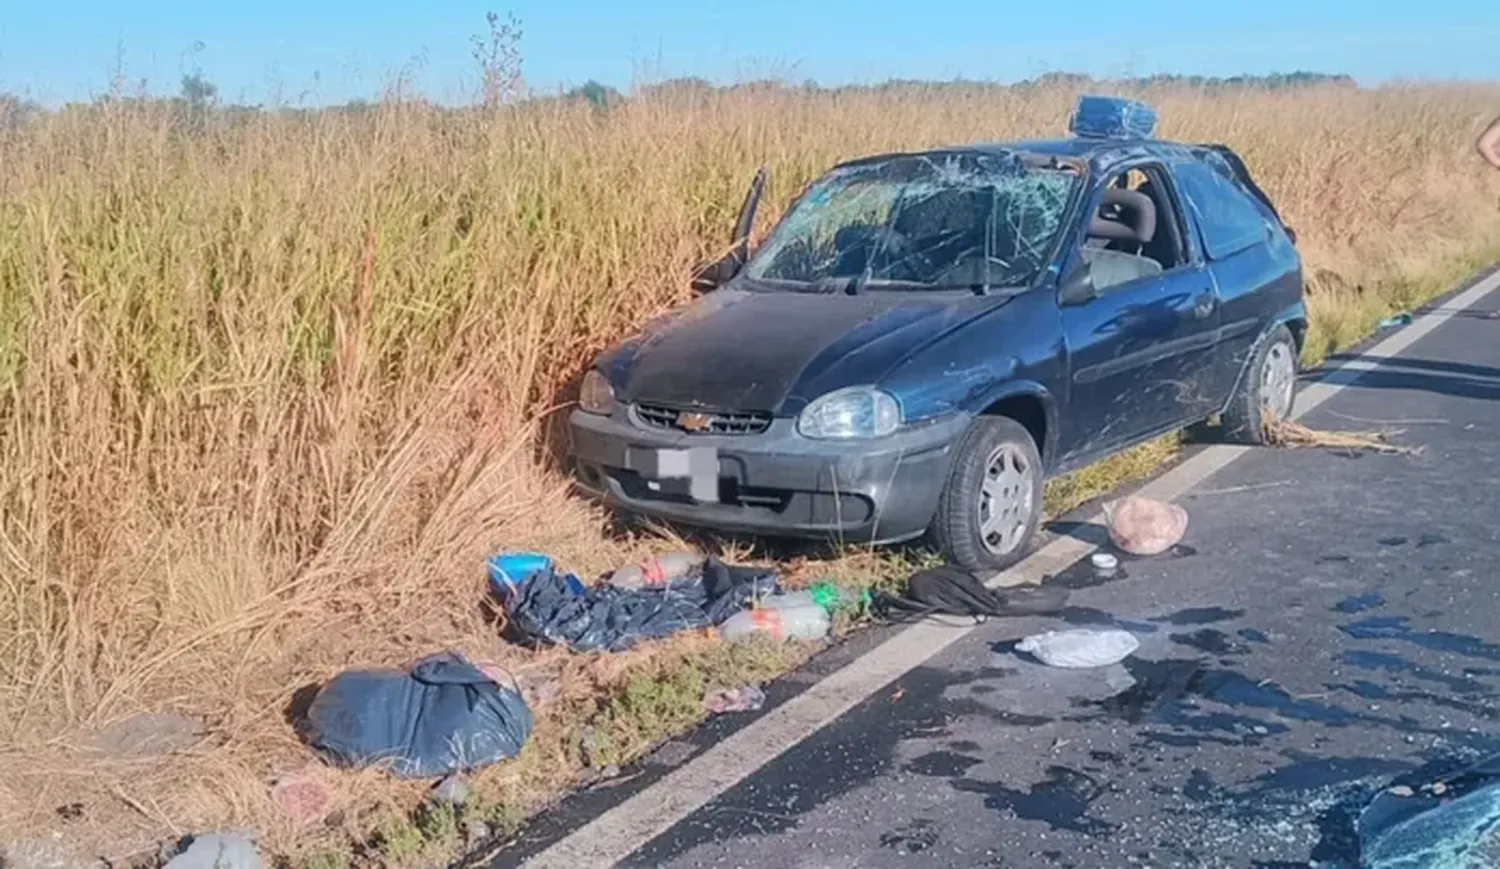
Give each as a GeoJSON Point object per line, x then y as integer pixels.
{"type": "Point", "coordinates": [317, 51]}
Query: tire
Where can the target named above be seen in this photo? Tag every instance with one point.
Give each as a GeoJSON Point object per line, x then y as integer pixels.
{"type": "Point", "coordinates": [958, 529]}
{"type": "Point", "coordinates": [1268, 383]}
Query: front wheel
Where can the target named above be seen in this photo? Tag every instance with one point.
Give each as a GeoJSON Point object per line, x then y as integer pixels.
{"type": "Point", "coordinates": [991, 505]}
{"type": "Point", "coordinates": [1266, 391]}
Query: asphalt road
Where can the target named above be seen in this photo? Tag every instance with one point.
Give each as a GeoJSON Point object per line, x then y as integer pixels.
{"type": "Point", "coordinates": [1329, 630]}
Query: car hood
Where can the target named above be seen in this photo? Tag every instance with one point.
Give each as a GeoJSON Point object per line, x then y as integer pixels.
{"type": "Point", "coordinates": [774, 352]}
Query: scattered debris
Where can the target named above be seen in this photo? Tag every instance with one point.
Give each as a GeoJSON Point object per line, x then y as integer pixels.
{"type": "Point", "coordinates": [746, 698]}
{"type": "Point", "coordinates": [147, 736]}
{"type": "Point", "coordinates": [476, 833]}
{"type": "Point", "coordinates": [1403, 318]}
{"type": "Point", "coordinates": [588, 746]}
{"type": "Point", "coordinates": [1142, 526]}
{"type": "Point", "coordinates": [1105, 565]}
{"type": "Point", "coordinates": [1081, 648]}
{"type": "Point", "coordinates": [218, 851]}
{"type": "Point", "coordinates": [70, 812]}
{"type": "Point", "coordinates": [453, 791]}
{"type": "Point", "coordinates": [544, 607]}
{"type": "Point", "coordinates": [1285, 433]}
{"type": "Point", "coordinates": [953, 591]}
{"type": "Point", "coordinates": [441, 716]}
{"type": "Point", "coordinates": [43, 854]}
{"type": "Point", "coordinates": [304, 798]}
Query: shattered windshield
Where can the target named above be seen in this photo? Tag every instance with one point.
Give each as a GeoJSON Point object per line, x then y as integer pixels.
{"type": "Point", "coordinates": [947, 221]}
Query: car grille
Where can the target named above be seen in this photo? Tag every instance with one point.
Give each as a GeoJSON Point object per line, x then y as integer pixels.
{"type": "Point", "coordinates": [702, 422]}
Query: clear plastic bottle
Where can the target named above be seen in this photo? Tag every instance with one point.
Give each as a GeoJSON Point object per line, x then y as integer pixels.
{"type": "Point", "coordinates": [651, 571]}
{"type": "Point", "coordinates": [805, 622]}
{"type": "Point", "coordinates": [830, 597]}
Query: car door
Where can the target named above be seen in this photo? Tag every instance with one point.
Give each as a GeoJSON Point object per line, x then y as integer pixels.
{"type": "Point", "coordinates": [1141, 351]}
{"type": "Point", "coordinates": [1250, 256]}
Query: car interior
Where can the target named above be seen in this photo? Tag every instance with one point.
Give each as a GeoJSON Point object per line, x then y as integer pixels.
{"type": "Point", "coordinates": [1132, 235]}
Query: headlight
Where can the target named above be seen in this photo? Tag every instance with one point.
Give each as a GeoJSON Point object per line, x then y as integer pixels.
{"type": "Point", "coordinates": [857, 412]}
{"type": "Point", "coordinates": [596, 395]}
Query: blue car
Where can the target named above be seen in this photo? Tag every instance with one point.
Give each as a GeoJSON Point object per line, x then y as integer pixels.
{"type": "Point", "coordinates": [923, 338]}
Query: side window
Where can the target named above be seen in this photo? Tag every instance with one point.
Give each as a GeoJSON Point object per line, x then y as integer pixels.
{"type": "Point", "coordinates": [1135, 232]}
{"type": "Point", "coordinates": [1227, 218]}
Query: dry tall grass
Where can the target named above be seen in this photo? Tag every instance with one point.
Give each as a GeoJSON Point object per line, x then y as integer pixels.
{"type": "Point", "coordinates": [272, 389]}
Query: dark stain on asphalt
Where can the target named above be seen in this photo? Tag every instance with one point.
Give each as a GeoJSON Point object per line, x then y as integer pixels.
{"type": "Point", "coordinates": [1392, 541]}
{"type": "Point", "coordinates": [1087, 616]}
{"type": "Point", "coordinates": [1157, 683]}
{"type": "Point", "coordinates": [1334, 559]}
{"type": "Point", "coordinates": [1211, 641]}
{"type": "Point", "coordinates": [1371, 691]}
{"type": "Point", "coordinates": [1062, 800]}
{"type": "Point", "coordinates": [1360, 603]}
{"type": "Point", "coordinates": [1307, 773]}
{"type": "Point", "coordinates": [1427, 540]}
{"type": "Point", "coordinates": [1234, 689]}
{"type": "Point", "coordinates": [942, 764]}
{"type": "Point", "coordinates": [1200, 616]}
{"type": "Point", "coordinates": [1387, 662]}
{"type": "Point", "coordinates": [1397, 628]}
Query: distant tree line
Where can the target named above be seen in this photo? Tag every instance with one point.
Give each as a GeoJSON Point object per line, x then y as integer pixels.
{"type": "Point", "coordinates": [198, 98]}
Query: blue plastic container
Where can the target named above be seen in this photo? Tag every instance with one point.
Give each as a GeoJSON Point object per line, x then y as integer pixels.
{"type": "Point", "coordinates": [509, 570]}
{"type": "Point", "coordinates": [1112, 118]}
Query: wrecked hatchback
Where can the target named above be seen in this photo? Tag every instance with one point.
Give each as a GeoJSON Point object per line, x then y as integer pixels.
{"type": "Point", "coordinates": [924, 337]}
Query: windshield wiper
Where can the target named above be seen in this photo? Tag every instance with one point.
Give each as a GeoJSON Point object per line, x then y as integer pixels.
{"type": "Point", "coordinates": [833, 285]}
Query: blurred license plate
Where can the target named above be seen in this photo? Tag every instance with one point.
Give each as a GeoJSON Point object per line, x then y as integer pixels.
{"type": "Point", "coordinates": [693, 472]}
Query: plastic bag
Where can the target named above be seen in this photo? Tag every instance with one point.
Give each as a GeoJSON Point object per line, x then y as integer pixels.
{"type": "Point", "coordinates": [442, 716]}
{"type": "Point", "coordinates": [1080, 649]}
{"type": "Point", "coordinates": [1141, 526]}
{"type": "Point", "coordinates": [546, 608]}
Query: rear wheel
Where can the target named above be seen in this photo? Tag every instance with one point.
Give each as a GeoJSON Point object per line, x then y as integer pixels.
{"type": "Point", "coordinates": [1267, 390]}
{"type": "Point", "coordinates": [991, 505]}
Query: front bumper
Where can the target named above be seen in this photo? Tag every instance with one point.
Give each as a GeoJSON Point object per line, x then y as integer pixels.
{"type": "Point", "coordinates": [776, 483]}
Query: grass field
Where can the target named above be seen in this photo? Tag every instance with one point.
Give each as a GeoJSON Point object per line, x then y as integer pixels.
{"type": "Point", "coordinates": [272, 387]}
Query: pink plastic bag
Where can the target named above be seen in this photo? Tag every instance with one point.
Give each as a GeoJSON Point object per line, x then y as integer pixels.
{"type": "Point", "coordinates": [1141, 526]}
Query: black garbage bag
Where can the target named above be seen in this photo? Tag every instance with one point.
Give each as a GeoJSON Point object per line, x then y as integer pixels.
{"type": "Point", "coordinates": [442, 716]}
{"type": "Point", "coordinates": [953, 591]}
{"type": "Point", "coordinates": [545, 609]}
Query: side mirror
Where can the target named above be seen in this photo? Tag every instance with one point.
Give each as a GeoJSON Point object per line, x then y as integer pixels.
{"type": "Point", "coordinates": [711, 275]}
{"type": "Point", "coordinates": [1077, 286]}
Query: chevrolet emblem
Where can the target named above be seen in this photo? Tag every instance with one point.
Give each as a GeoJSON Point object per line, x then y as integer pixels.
{"type": "Point", "coordinates": [694, 422]}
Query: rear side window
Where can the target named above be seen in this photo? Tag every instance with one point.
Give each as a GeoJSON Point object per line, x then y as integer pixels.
{"type": "Point", "coordinates": [1227, 218]}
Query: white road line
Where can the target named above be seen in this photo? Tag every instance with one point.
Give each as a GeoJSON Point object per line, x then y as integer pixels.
{"type": "Point", "coordinates": [622, 830]}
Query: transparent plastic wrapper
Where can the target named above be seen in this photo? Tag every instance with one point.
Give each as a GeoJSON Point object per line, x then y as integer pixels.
{"type": "Point", "coordinates": [745, 698]}
{"type": "Point", "coordinates": [1080, 649]}
{"type": "Point", "coordinates": [1141, 526]}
